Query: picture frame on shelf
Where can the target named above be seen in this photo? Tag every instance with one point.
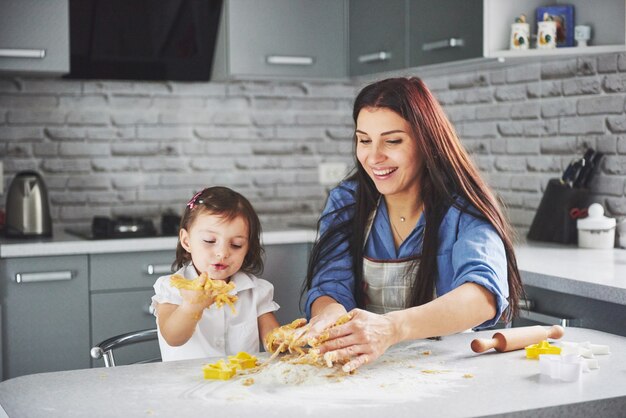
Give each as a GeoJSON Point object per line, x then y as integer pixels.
{"type": "Point", "coordinates": [563, 15]}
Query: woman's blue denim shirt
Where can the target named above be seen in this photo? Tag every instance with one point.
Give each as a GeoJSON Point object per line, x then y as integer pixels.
{"type": "Point", "coordinates": [470, 250]}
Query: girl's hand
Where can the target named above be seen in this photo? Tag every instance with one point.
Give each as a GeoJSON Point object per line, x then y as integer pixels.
{"type": "Point", "coordinates": [195, 301]}
{"type": "Point", "coordinates": [362, 339]}
{"type": "Point", "coordinates": [322, 321]}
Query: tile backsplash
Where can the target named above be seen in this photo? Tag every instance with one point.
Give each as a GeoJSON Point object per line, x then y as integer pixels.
{"type": "Point", "coordinates": [112, 148]}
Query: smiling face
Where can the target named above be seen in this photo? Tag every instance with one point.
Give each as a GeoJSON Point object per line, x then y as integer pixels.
{"type": "Point", "coordinates": [217, 245]}
{"type": "Point", "coordinates": [388, 152]}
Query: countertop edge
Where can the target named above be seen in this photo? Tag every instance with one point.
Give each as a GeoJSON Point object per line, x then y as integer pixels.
{"type": "Point", "coordinates": [76, 246]}
{"type": "Point", "coordinates": [574, 287]}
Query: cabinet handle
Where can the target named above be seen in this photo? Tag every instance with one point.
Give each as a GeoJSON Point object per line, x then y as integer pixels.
{"type": "Point", "coordinates": [148, 309]}
{"type": "Point", "coordinates": [48, 276]}
{"type": "Point", "coordinates": [153, 269]}
{"type": "Point", "coordinates": [22, 53]}
{"type": "Point", "coordinates": [375, 57]}
{"type": "Point", "coordinates": [445, 43]}
{"type": "Point", "coordinates": [289, 60]}
{"type": "Point", "coordinates": [526, 312]}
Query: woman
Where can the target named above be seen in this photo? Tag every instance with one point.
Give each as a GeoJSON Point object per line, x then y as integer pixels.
{"type": "Point", "coordinates": [414, 244]}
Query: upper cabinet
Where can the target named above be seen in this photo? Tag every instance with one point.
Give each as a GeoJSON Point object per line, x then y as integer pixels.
{"type": "Point", "coordinates": [606, 19]}
{"type": "Point", "coordinates": [377, 33]}
{"type": "Point", "coordinates": [285, 38]}
{"type": "Point", "coordinates": [398, 34]}
{"type": "Point", "coordinates": [444, 30]}
{"type": "Point", "coordinates": [34, 36]}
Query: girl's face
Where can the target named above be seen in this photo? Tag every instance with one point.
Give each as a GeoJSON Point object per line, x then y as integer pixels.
{"type": "Point", "coordinates": [388, 152]}
{"type": "Point", "coordinates": [217, 246]}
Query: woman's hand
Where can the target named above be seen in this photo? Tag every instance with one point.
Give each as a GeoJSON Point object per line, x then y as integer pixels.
{"type": "Point", "coordinates": [362, 339]}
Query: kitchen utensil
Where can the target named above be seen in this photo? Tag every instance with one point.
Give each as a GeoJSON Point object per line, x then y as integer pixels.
{"type": "Point", "coordinates": [568, 367]}
{"type": "Point", "coordinates": [587, 173]}
{"type": "Point", "coordinates": [553, 221]}
{"type": "Point", "coordinates": [516, 338]}
{"type": "Point", "coordinates": [576, 213]}
{"type": "Point", "coordinates": [122, 227]}
{"type": "Point", "coordinates": [570, 174]}
{"type": "Point", "coordinates": [544, 347]}
{"type": "Point", "coordinates": [27, 207]}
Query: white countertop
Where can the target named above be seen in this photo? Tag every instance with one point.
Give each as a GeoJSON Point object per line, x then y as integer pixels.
{"type": "Point", "coordinates": [422, 378]}
{"type": "Point", "coordinates": [598, 274]}
{"type": "Point", "coordinates": [63, 243]}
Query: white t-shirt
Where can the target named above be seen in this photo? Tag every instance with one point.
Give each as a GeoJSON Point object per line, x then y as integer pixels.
{"type": "Point", "coordinates": [219, 332]}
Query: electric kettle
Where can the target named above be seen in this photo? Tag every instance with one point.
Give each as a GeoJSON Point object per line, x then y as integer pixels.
{"type": "Point", "coordinates": [27, 208]}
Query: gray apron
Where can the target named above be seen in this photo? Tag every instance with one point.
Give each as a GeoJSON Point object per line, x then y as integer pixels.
{"type": "Point", "coordinates": [387, 283]}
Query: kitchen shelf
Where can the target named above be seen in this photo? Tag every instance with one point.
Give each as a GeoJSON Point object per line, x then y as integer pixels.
{"type": "Point", "coordinates": [607, 20]}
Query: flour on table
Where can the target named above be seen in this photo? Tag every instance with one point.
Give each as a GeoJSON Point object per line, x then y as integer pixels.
{"type": "Point", "coordinates": [401, 375]}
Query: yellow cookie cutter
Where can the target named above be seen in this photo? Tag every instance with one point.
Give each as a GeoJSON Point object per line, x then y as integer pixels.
{"type": "Point", "coordinates": [221, 370]}
{"type": "Point", "coordinates": [243, 360]}
{"type": "Point", "coordinates": [544, 347]}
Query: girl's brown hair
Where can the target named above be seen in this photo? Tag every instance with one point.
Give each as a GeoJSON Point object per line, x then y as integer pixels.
{"type": "Point", "coordinates": [448, 173]}
{"type": "Point", "coordinates": [229, 204]}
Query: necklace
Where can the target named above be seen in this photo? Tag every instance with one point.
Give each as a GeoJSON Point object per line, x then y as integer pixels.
{"type": "Point", "coordinates": [396, 229]}
{"type": "Point", "coordinates": [402, 219]}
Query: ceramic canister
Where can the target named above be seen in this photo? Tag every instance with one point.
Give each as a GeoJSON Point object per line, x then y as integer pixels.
{"type": "Point", "coordinates": [546, 35]}
{"type": "Point", "coordinates": [520, 36]}
{"type": "Point", "coordinates": [596, 230]}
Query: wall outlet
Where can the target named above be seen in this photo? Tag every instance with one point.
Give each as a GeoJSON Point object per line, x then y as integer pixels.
{"type": "Point", "coordinates": [332, 172]}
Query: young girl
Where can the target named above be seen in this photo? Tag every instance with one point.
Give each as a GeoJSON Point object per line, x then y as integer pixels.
{"type": "Point", "coordinates": [220, 235]}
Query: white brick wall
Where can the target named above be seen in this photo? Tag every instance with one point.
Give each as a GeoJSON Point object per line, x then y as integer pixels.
{"type": "Point", "coordinates": [140, 148]}
{"type": "Point", "coordinates": [524, 124]}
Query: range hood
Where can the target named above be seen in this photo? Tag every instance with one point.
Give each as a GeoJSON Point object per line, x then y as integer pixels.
{"type": "Point", "coordinates": [143, 39]}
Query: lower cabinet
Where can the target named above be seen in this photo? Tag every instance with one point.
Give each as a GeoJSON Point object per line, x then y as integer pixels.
{"type": "Point", "coordinates": [285, 268]}
{"type": "Point", "coordinates": [548, 307]}
{"type": "Point", "coordinates": [45, 314]}
{"type": "Point", "coordinates": [54, 309]}
{"type": "Point", "coordinates": [121, 312]}
{"type": "Point", "coordinates": [120, 292]}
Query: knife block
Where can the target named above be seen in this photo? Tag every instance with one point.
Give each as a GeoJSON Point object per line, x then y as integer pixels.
{"type": "Point", "coordinates": [552, 221]}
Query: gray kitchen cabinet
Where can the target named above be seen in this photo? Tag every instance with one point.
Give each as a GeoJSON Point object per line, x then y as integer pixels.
{"type": "Point", "coordinates": [282, 38]}
{"type": "Point", "coordinates": [548, 306]}
{"type": "Point", "coordinates": [120, 292]}
{"type": "Point", "coordinates": [136, 270]}
{"type": "Point", "coordinates": [121, 312]}
{"type": "Point", "coordinates": [285, 268]}
{"type": "Point", "coordinates": [34, 36]}
{"type": "Point", "coordinates": [45, 314]}
{"type": "Point", "coordinates": [377, 34]}
{"type": "Point", "coordinates": [444, 31]}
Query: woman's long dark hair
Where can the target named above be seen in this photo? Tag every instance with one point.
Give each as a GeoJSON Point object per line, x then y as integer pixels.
{"type": "Point", "coordinates": [448, 173]}
{"type": "Point", "coordinates": [229, 204]}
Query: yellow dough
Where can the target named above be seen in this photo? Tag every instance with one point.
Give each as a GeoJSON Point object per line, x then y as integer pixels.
{"type": "Point", "coordinates": [217, 289]}
{"type": "Point", "coordinates": [285, 338]}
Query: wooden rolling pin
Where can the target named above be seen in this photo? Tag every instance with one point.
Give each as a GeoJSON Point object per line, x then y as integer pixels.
{"type": "Point", "coordinates": [510, 339]}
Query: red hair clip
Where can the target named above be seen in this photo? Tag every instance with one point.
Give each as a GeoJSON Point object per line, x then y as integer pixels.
{"type": "Point", "coordinates": [192, 203]}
